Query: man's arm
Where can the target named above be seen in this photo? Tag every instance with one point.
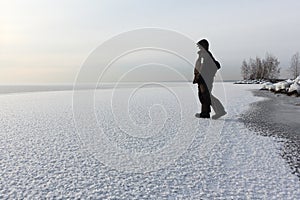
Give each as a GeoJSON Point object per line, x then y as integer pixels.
{"type": "Point", "coordinates": [196, 76]}
{"type": "Point", "coordinates": [197, 69]}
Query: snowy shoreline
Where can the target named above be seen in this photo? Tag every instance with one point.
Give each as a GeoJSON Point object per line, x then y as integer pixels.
{"type": "Point", "coordinates": [42, 155]}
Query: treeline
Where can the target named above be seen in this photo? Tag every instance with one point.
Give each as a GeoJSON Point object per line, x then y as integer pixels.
{"type": "Point", "coordinates": [259, 69]}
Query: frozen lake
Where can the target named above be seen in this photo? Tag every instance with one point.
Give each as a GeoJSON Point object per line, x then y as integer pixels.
{"type": "Point", "coordinates": [136, 143]}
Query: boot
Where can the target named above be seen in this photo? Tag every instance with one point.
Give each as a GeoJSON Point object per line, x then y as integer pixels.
{"type": "Point", "coordinates": [202, 115]}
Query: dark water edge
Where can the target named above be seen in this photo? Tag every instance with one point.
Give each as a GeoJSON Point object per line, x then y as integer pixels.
{"type": "Point", "coordinates": [277, 116]}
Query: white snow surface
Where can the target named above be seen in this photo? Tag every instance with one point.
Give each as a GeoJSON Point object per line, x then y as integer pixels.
{"type": "Point", "coordinates": [44, 156]}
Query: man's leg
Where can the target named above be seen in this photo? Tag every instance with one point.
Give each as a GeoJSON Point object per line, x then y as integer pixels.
{"type": "Point", "coordinates": [204, 97]}
{"type": "Point", "coordinates": [218, 107]}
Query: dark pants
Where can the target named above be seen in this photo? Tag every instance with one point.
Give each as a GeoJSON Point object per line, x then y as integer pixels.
{"type": "Point", "coordinates": [207, 99]}
{"type": "Point", "coordinates": [204, 97]}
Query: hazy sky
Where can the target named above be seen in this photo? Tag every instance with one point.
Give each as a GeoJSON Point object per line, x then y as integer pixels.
{"type": "Point", "coordinates": [47, 41]}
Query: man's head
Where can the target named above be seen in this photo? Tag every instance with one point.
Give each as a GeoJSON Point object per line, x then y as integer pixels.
{"type": "Point", "coordinates": [203, 44]}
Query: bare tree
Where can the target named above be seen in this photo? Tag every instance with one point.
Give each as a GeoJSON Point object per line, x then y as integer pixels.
{"type": "Point", "coordinates": [267, 68]}
{"type": "Point", "coordinates": [259, 68]}
{"type": "Point", "coordinates": [253, 68]}
{"type": "Point", "coordinates": [271, 65]}
{"type": "Point", "coordinates": [295, 65]}
{"type": "Point", "coordinates": [245, 70]}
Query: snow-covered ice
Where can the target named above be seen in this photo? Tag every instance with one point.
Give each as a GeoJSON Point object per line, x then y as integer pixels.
{"type": "Point", "coordinates": [44, 154]}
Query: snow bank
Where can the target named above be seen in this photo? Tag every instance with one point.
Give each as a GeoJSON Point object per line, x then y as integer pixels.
{"type": "Point", "coordinates": [295, 86]}
{"type": "Point", "coordinates": [267, 86]}
{"type": "Point", "coordinates": [250, 82]}
{"type": "Point", "coordinates": [288, 86]}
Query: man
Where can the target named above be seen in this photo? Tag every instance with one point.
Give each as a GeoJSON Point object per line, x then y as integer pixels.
{"type": "Point", "coordinates": [205, 70]}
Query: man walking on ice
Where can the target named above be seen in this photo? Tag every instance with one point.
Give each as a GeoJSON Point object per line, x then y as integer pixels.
{"type": "Point", "coordinates": [205, 70]}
